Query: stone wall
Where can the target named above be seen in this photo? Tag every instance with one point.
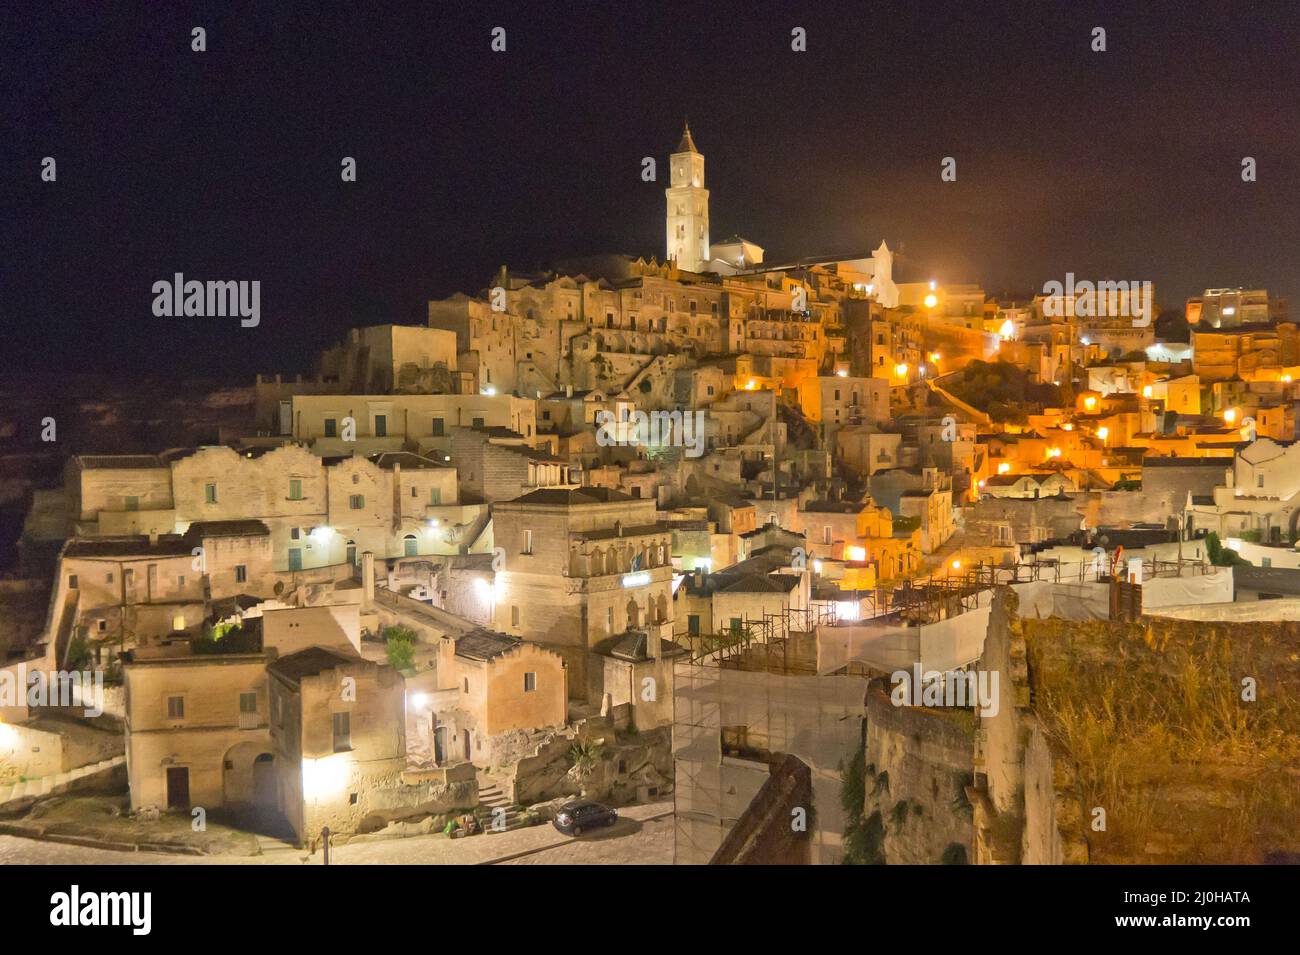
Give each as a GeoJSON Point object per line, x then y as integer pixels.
{"type": "Point", "coordinates": [919, 763]}
{"type": "Point", "coordinates": [28, 753]}
{"type": "Point", "coordinates": [624, 767]}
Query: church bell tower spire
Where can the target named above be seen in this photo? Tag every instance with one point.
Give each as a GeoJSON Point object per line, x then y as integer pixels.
{"type": "Point", "coordinates": [688, 207]}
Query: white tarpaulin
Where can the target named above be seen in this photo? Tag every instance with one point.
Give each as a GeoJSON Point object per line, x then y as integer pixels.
{"type": "Point", "coordinates": [1177, 591]}
{"type": "Point", "coordinates": [887, 645]}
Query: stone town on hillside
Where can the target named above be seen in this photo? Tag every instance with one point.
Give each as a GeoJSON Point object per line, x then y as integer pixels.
{"type": "Point", "coordinates": [836, 560]}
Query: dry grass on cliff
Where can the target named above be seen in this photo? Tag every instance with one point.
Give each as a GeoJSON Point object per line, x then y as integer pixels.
{"type": "Point", "coordinates": [1152, 718]}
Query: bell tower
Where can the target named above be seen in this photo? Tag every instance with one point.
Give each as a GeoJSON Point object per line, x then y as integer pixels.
{"type": "Point", "coordinates": [688, 207]}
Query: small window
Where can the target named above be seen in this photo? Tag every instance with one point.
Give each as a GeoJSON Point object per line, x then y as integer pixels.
{"type": "Point", "coordinates": [331, 428]}
{"type": "Point", "coordinates": [108, 578]}
{"type": "Point", "coordinates": [381, 426]}
{"type": "Point", "coordinates": [295, 533]}
{"type": "Point", "coordinates": [133, 503]}
{"type": "Point", "coordinates": [342, 732]}
{"type": "Point", "coordinates": [357, 502]}
{"type": "Point", "coordinates": [72, 581]}
{"type": "Point", "coordinates": [210, 493]}
{"type": "Point", "coordinates": [465, 685]}
{"type": "Point", "coordinates": [241, 573]}
{"type": "Point", "coordinates": [530, 682]}
{"type": "Point", "coordinates": [528, 541]}
{"type": "Point", "coordinates": [514, 616]}
{"type": "Point", "coordinates": [248, 702]}
{"type": "Point", "coordinates": [178, 622]}
{"type": "Point", "coordinates": [478, 422]}
{"type": "Point", "coordinates": [435, 495]}
{"type": "Point", "coordinates": [295, 490]}
{"type": "Point", "coordinates": [176, 707]}
{"type": "Point", "coordinates": [439, 427]}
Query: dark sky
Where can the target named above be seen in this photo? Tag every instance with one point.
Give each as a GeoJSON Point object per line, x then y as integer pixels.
{"type": "Point", "coordinates": [225, 164]}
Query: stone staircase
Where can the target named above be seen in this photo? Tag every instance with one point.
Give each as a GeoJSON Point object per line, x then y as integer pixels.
{"type": "Point", "coordinates": [492, 803]}
{"type": "Point", "coordinates": [56, 784]}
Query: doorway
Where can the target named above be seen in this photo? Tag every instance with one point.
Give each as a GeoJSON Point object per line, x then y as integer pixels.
{"type": "Point", "coordinates": [178, 787]}
{"type": "Point", "coordinates": [439, 743]}
{"type": "Point", "coordinates": [264, 780]}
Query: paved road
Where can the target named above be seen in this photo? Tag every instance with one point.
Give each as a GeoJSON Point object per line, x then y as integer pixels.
{"type": "Point", "coordinates": [643, 835]}
{"type": "Point", "coordinates": [651, 843]}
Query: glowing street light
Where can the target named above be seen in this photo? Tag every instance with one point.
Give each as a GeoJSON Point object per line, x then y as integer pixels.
{"type": "Point", "coordinates": [1148, 391]}
{"type": "Point", "coordinates": [900, 370]}
{"type": "Point", "coordinates": [1103, 433]}
{"type": "Point", "coordinates": [1230, 415]}
{"type": "Point", "coordinates": [1090, 402]}
{"type": "Point", "coordinates": [931, 300]}
{"type": "Point", "coordinates": [1004, 468]}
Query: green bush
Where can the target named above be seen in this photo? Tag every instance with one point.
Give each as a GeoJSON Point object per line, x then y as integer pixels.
{"type": "Point", "coordinates": [78, 653]}
{"type": "Point", "coordinates": [1219, 555]}
{"type": "Point", "coordinates": [228, 638]}
{"type": "Point", "coordinates": [399, 645]}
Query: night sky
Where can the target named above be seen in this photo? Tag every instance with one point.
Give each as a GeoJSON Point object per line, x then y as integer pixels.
{"type": "Point", "coordinates": [226, 164]}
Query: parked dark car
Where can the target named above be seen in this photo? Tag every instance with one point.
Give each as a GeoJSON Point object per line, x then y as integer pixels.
{"type": "Point", "coordinates": [574, 818]}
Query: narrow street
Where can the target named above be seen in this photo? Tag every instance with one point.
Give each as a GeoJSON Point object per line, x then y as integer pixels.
{"type": "Point", "coordinates": [643, 835]}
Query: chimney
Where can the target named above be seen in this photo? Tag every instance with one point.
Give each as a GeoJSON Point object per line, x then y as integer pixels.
{"type": "Point", "coordinates": [652, 646]}
{"type": "Point", "coordinates": [397, 494]}
{"type": "Point", "coordinates": [367, 580]}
